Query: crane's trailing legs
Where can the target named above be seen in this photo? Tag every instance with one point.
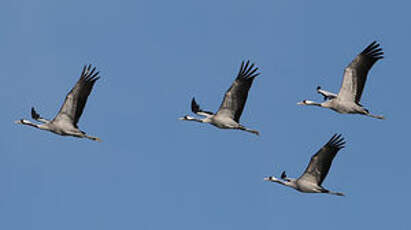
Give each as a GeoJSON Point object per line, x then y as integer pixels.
{"type": "Point", "coordinates": [249, 130]}
{"type": "Point", "coordinates": [93, 138]}
{"type": "Point", "coordinates": [333, 193]}
{"type": "Point", "coordinates": [374, 116]}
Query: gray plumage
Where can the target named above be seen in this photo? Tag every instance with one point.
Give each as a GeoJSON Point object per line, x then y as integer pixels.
{"type": "Point", "coordinates": [65, 122]}
{"type": "Point", "coordinates": [229, 113]}
{"type": "Point", "coordinates": [312, 178]}
{"type": "Point", "coordinates": [355, 76]}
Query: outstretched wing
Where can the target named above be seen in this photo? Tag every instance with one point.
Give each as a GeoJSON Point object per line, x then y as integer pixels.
{"type": "Point", "coordinates": [34, 114]}
{"type": "Point", "coordinates": [355, 74]}
{"type": "Point", "coordinates": [37, 116]}
{"type": "Point", "coordinates": [196, 109]}
{"type": "Point", "coordinates": [236, 96]}
{"type": "Point", "coordinates": [76, 99]}
{"type": "Point", "coordinates": [320, 163]}
{"type": "Point", "coordinates": [326, 94]}
{"type": "Point", "coordinates": [283, 175]}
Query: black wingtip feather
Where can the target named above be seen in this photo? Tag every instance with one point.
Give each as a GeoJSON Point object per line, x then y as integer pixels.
{"type": "Point", "coordinates": [91, 72]}
{"type": "Point", "coordinates": [336, 141]}
{"type": "Point", "coordinates": [89, 76]}
{"type": "Point", "coordinates": [247, 72]}
{"type": "Point", "coordinates": [246, 64]}
{"type": "Point", "coordinates": [374, 51]}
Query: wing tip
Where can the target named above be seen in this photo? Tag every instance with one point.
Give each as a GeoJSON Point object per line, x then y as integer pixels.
{"type": "Point", "coordinates": [283, 175]}
{"type": "Point", "coordinates": [88, 75]}
{"type": "Point", "coordinates": [248, 71]}
{"type": "Point", "coordinates": [337, 141]}
{"type": "Point", "coordinates": [34, 114]}
{"type": "Point", "coordinates": [374, 51]}
{"type": "Point", "coordinates": [194, 106]}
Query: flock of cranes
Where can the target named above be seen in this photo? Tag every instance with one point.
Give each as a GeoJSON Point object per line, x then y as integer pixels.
{"type": "Point", "coordinates": [347, 101]}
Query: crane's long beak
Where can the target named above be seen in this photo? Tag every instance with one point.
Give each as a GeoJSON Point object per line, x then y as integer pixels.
{"type": "Point", "coordinates": [186, 117]}
{"type": "Point", "coordinates": [19, 122]}
{"type": "Point", "coordinates": [300, 103]}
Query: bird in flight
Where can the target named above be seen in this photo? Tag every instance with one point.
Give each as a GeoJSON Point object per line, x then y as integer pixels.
{"type": "Point", "coordinates": [312, 178]}
{"type": "Point", "coordinates": [228, 115]}
{"type": "Point", "coordinates": [65, 122]}
{"type": "Point", "coordinates": [355, 76]}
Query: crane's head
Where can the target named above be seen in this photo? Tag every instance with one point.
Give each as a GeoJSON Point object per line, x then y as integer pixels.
{"type": "Point", "coordinates": [187, 117]}
{"type": "Point", "coordinates": [190, 118]}
{"type": "Point", "coordinates": [308, 102]}
{"type": "Point", "coordinates": [271, 178]}
{"type": "Point", "coordinates": [278, 180]}
{"type": "Point", "coordinates": [22, 122]}
{"type": "Point", "coordinates": [303, 102]}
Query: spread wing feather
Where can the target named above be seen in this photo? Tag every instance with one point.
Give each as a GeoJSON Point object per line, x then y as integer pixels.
{"type": "Point", "coordinates": [195, 108]}
{"type": "Point", "coordinates": [355, 74]}
{"type": "Point", "coordinates": [320, 163]}
{"type": "Point", "coordinates": [327, 95]}
{"type": "Point", "coordinates": [76, 99]}
{"type": "Point", "coordinates": [236, 96]}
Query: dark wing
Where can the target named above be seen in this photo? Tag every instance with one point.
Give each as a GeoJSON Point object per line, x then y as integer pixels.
{"type": "Point", "coordinates": [34, 114]}
{"type": "Point", "coordinates": [236, 96]}
{"type": "Point", "coordinates": [76, 99]}
{"type": "Point", "coordinates": [320, 163]}
{"type": "Point", "coordinates": [196, 109]}
{"type": "Point", "coordinates": [355, 74]}
{"type": "Point", "coordinates": [326, 94]}
{"type": "Point", "coordinates": [283, 175]}
{"type": "Point", "coordinates": [37, 116]}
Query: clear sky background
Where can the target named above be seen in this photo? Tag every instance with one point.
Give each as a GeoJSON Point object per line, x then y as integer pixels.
{"type": "Point", "coordinates": [153, 171]}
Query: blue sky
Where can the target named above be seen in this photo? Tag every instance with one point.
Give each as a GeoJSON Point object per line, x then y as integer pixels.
{"type": "Point", "coordinates": [153, 171]}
